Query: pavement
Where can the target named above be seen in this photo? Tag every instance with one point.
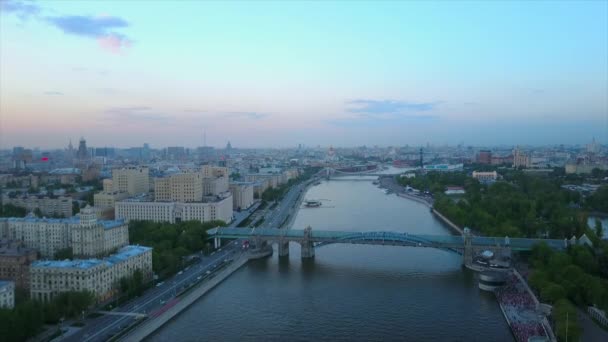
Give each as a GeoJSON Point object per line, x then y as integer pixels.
{"type": "Point", "coordinates": [159, 298]}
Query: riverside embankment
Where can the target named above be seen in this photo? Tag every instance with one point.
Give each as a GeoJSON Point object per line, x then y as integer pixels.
{"type": "Point", "coordinates": [151, 324]}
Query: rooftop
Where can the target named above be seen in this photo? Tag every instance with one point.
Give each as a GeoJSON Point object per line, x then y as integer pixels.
{"type": "Point", "coordinates": [107, 224]}
{"type": "Point", "coordinates": [4, 283]}
{"type": "Point", "coordinates": [65, 171]}
{"type": "Point", "coordinates": [123, 254]}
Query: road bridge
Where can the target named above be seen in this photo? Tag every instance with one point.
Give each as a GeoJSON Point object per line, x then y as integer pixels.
{"type": "Point", "coordinates": [309, 239]}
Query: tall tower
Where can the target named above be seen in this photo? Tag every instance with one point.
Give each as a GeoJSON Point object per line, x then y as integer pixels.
{"type": "Point", "coordinates": [83, 152]}
{"type": "Point", "coordinates": [421, 163]}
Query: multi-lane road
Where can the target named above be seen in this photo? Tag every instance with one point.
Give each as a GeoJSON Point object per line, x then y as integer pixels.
{"type": "Point", "coordinates": [285, 208]}
{"type": "Point", "coordinates": [156, 300]}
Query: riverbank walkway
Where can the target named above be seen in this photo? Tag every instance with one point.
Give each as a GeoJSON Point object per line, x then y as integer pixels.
{"type": "Point", "coordinates": [520, 310]}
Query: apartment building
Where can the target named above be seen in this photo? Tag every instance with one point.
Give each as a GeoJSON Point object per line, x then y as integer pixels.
{"type": "Point", "coordinates": [86, 235]}
{"type": "Point", "coordinates": [132, 180]}
{"type": "Point", "coordinates": [15, 262]}
{"type": "Point", "coordinates": [61, 206]}
{"type": "Point", "coordinates": [242, 194]}
{"type": "Point", "coordinates": [180, 187]}
{"type": "Point", "coordinates": [99, 276]}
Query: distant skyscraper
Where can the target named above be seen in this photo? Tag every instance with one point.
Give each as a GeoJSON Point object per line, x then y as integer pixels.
{"type": "Point", "coordinates": [228, 146]}
{"type": "Point", "coordinates": [593, 147]}
{"type": "Point", "coordinates": [83, 152]}
{"type": "Point", "coordinates": [70, 150]}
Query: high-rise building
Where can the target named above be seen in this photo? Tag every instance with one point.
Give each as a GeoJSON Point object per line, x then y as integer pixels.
{"type": "Point", "coordinates": [242, 194]}
{"type": "Point", "coordinates": [132, 180]}
{"type": "Point", "coordinates": [593, 147]}
{"type": "Point", "coordinates": [176, 152]}
{"type": "Point", "coordinates": [520, 159]}
{"type": "Point", "coordinates": [83, 152]}
{"type": "Point", "coordinates": [181, 187]}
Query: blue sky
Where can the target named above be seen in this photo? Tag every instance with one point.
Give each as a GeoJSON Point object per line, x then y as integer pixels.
{"type": "Point", "coordinates": [278, 74]}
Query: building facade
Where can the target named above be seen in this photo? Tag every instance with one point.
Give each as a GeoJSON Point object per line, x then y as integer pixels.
{"type": "Point", "coordinates": [485, 177]}
{"type": "Point", "coordinates": [7, 294]}
{"type": "Point", "coordinates": [521, 159]}
{"type": "Point", "coordinates": [484, 157]}
{"type": "Point", "coordinates": [219, 209]}
{"type": "Point", "coordinates": [107, 199]}
{"type": "Point", "coordinates": [242, 195]}
{"type": "Point", "coordinates": [99, 276]}
{"type": "Point", "coordinates": [61, 206]}
{"type": "Point", "coordinates": [48, 236]}
{"type": "Point", "coordinates": [132, 180]}
{"type": "Point", "coordinates": [180, 187]}
{"type": "Point", "coordinates": [92, 238]}
{"type": "Point", "coordinates": [15, 262]}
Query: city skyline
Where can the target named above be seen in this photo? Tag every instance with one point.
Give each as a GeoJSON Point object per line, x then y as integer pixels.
{"type": "Point", "coordinates": [279, 75]}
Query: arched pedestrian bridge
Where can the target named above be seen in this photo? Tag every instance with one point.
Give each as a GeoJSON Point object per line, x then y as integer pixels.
{"type": "Point", "coordinates": [310, 239]}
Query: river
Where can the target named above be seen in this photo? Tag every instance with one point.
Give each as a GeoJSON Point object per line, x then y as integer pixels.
{"type": "Point", "coordinates": [349, 292]}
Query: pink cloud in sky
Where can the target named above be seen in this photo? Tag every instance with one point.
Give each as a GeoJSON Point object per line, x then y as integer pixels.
{"type": "Point", "coordinates": [114, 43]}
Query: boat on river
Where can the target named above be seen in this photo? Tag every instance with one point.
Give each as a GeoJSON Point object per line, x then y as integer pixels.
{"type": "Point", "coordinates": [312, 203]}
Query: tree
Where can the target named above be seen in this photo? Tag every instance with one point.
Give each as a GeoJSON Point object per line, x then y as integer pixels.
{"type": "Point", "coordinates": [552, 292]}
{"type": "Point", "coordinates": [65, 253]}
{"type": "Point", "coordinates": [75, 208]}
{"type": "Point", "coordinates": [9, 210]}
{"type": "Point", "coordinates": [565, 318]}
{"type": "Point", "coordinates": [599, 229]}
{"type": "Point", "coordinates": [38, 212]}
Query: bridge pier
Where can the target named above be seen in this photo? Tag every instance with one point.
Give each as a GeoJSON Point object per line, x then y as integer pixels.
{"type": "Point", "coordinates": [308, 250]}
{"type": "Point", "coordinates": [467, 255]}
{"type": "Point", "coordinates": [308, 247]}
{"type": "Point", "coordinates": [284, 249]}
{"type": "Point", "coordinates": [217, 243]}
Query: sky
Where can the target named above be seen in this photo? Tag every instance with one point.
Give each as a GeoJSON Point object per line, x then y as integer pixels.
{"type": "Point", "coordinates": [279, 74]}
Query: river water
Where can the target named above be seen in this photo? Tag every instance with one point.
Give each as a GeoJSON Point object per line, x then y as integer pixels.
{"type": "Point", "coordinates": [349, 292]}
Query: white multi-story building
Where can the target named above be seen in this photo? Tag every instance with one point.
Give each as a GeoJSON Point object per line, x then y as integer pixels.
{"type": "Point", "coordinates": [215, 186]}
{"type": "Point", "coordinates": [217, 209]}
{"type": "Point", "coordinates": [132, 180]}
{"type": "Point", "coordinates": [91, 238]}
{"type": "Point", "coordinates": [83, 233]}
{"type": "Point", "coordinates": [7, 294]}
{"type": "Point", "coordinates": [99, 276]}
{"type": "Point", "coordinates": [485, 177]}
{"type": "Point", "coordinates": [521, 159]}
{"type": "Point", "coordinates": [242, 194]}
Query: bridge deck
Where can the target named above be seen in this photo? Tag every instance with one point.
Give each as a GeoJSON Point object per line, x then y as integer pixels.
{"type": "Point", "coordinates": [329, 236]}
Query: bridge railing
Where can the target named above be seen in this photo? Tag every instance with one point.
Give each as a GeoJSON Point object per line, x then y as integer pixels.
{"type": "Point", "coordinates": [436, 240]}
